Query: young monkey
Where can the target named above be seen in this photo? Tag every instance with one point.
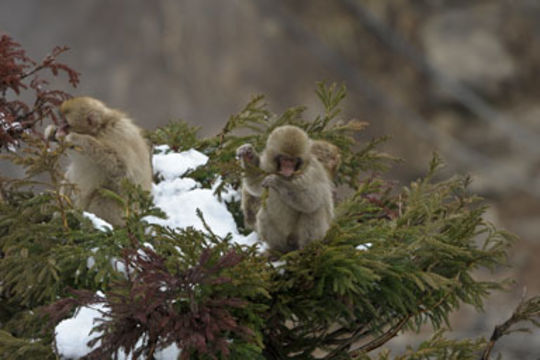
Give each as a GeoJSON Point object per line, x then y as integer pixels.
{"type": "Point", "coordinates": [299, 206]}
{"type": "Point", "coordinates": [107, 147]}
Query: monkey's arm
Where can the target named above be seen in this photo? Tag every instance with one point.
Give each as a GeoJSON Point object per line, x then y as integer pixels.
{"type": "Point", "coordinates": [253, 183]}
{"type": "Point", "coordinates": [253, 176]}
{"type": "Point", "coordinates": [101, 154]}
{"type": "Point", "coordinates": [305, 194]}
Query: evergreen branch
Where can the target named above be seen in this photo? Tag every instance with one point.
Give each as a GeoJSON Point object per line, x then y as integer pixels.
{"type": "Point", "coordinates": [438, 347]}
{"type": "Point", "coordinates": [392, 332]}
{"type": "Point", "coordinates": [12, 348]}
{"type": "Point", "coordinates": [211, 235]}
{"type": "Point", "coordinates": [527, 310]}
{"type": "Point", "coordinates": [384, 338]}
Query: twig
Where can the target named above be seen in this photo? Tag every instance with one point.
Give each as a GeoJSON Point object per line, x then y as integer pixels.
{"type": "Point", "coordinates": [526, 311]}
{"type": "Point", "coordinates": [384, 338]}
{"type": "Point", "coordinates": [46, 62]}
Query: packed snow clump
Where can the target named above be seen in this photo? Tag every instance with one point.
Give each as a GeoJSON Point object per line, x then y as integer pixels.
{"type": "Point", "coordinates": [98, 222]}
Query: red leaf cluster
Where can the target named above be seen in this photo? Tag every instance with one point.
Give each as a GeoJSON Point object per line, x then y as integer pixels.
{"type": "Point", "coordinates": [20, 75]}
{"type": "Point", "coordinates": [161, 308]}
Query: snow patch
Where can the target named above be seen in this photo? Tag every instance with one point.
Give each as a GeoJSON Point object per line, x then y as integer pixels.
{"type": "Point", "coordinates": [72, 335]}
{"type": "Point", "coordinates": [98, 222]}
{"type": "Point", "coordinates": [181, 209]}
{"type": "Point", "coordinates": [180, 197]}
{"type": "Point", "coordinates": [363, 247]}
{"type": "Point", "coordinates": [171, 165]}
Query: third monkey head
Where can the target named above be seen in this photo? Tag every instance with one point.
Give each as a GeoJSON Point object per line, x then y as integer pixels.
{"type": "Point", "coordinates": [85, 115]}
{"type": "Point", "coordinates": [287, 151]}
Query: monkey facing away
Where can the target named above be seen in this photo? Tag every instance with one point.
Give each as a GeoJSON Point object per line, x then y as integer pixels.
{"type": "Point", "coordinates": [328, 154]}
{"type": "Point", "coordinates": [107, 147]}
{"type": "Point", "coordinates": [299, 206]}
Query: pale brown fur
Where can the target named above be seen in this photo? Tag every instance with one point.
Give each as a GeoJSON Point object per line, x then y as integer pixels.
{"type": "Point", "coordinates": [107, 147]}
{"type": "Point", "coordinates": [328, 154]}
{"type": "Point", "coordinates": [299, 208]}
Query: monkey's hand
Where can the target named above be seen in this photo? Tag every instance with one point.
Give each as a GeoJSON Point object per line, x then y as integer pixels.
{"type": "Point", "coordinates": [101, 154]}
{"type": "Point", "coordinates": [50, 132]}
{"type": "Point", "coordinates": [79, 140]}
{"type": "Point", "coordinates": [55, 133]}
{"type": "Point", "coordinates": [252, 175]}
{"type": "Point", "coordinates": [271, 181]}
{"type": "Point", "coordinates": [247, 155]}
{"type": "Point", "coordinates": [299, 195]}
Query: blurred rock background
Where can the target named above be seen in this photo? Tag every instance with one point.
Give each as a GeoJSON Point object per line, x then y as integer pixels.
{"type": "Point", "coordinates": [454, 76]}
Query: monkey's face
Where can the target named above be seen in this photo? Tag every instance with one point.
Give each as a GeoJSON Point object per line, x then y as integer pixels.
{"type": "Point", "coordinates": [287, 165]}
{"type": "Point", "coordinates": [77, 121]}
{"type": "Point", "coordinates": [287, 151]}
{"type": "Point", "coordinates": [82, 115]}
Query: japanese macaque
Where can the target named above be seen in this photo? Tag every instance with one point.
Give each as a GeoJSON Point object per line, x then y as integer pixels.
{"type": "Point", "coordinates": [106, 148]}
{"type": "Point", "coordinates": [299, 206]}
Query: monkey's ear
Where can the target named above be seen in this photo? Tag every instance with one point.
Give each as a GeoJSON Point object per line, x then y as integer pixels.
{"type": "Point", "coordinates": [92, 119]}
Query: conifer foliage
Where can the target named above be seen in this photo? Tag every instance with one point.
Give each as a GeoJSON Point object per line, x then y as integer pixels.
{"type": "Point", "coordinates": [394, 259]}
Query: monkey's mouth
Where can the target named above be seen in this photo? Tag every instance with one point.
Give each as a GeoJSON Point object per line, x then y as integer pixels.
{"type": "Point", "coordinates": [288, 166]}
{"type": "Point", "coordinates": [62, 130]}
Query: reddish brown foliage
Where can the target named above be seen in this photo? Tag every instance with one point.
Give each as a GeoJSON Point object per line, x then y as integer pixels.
{"type": "Point", "coordinates": [162, 308]}
{"type": "Point", "coordinates": [20, 75]}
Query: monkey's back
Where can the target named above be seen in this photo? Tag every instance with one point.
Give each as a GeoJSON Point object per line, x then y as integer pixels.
{"type": "Point", "coordinates": [126, 140]}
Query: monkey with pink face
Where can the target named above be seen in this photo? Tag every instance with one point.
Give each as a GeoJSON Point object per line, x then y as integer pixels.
{"type": "Point", "coordinates": [299, 207]}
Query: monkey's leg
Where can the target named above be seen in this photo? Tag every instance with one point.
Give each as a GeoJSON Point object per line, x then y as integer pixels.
{"type": "Point", "coordinates": [250, 207]}
{"type": "Point", "coordinates": [273, 234]}
{"type": "Point", "coordinates": [311, 227]}
{"type": "Point", "coordinates": [106, 208]}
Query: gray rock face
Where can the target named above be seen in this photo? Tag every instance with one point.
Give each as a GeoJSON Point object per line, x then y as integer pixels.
{"type": "Point", "coordinates": [464, 45]}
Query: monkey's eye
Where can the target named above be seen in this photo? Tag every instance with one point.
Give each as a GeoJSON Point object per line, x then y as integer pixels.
{"type": "Point", "coordinates": [298, 165]}
{"type": "Point", "coordinates": [277, 159]}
